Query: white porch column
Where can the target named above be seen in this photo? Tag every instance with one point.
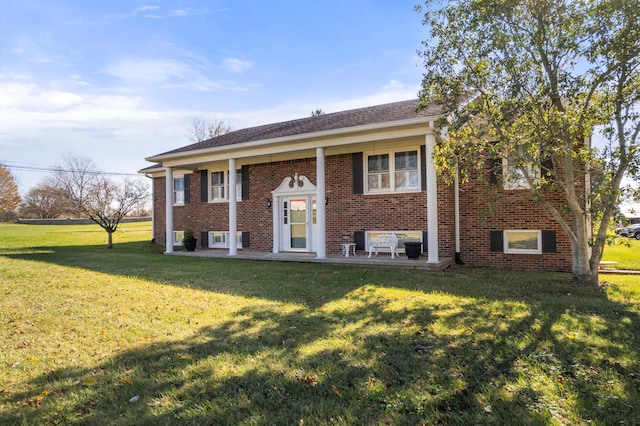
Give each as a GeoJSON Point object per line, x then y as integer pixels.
{"type": "Point", "coordinates": [168, 198]}
{"type": "Point", "coordinates": [233, 208]}
{"type": "Point", "coordinates": [321, 217]}
{"type": "Point", "coordinates": [277, 223]}
{"type": "Point", "coordinates": [432, 200]}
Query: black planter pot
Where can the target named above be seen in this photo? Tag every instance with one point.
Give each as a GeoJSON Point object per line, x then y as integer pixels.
{"type": "Point", "coordinates": [412, 249]}
{"type": "Point", "coordinates": [190, 245]}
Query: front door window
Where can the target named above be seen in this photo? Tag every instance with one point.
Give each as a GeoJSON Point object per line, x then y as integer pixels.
{"type": "Point", "coordinates": [298, 225]}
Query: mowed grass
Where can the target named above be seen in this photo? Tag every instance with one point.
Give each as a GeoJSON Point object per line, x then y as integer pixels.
{"type": "Point", "coordinates": [131, 336]}
{"type": "Point", "coordinates": [625, 251]}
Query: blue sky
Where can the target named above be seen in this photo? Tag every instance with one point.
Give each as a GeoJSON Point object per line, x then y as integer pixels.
{"type": "Point", "coordinates": [120, 80]}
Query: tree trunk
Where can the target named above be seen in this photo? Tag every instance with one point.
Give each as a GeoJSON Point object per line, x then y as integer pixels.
{"type": "Point", "coordinates": [110, 243]}
{"type": "Point", "coordinates": [582, 268]}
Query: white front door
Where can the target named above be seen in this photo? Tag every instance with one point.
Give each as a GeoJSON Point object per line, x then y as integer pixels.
{"type": "Point", "coordinates": [298, 220]}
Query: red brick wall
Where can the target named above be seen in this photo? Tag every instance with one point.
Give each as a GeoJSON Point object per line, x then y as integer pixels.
{"type": "Point", "coordinates": [345, 213]}
{"type": "Point", "coordinates": [348, 212]}
{"type": "Point", "coordinates": [483, 209]}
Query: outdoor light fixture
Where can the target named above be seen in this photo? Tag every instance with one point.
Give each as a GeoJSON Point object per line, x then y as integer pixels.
{"type": "Point", "coordinates": [326, 201]}
{"type": "Point", "coordinates": [268, 203]}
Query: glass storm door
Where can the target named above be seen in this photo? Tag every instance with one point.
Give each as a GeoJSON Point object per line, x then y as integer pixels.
{"type": "Point", "coordinates": [298, 224]}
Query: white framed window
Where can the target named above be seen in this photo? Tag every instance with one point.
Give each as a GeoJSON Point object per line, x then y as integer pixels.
{"type": "Point", "coordinates": [178, 236]}
{"type": "Point", "coordinates": [395, 171]}
{"type": "Point", "coordinates": [522, 241]}
{"type": "Point", "coordinates": [178, 190]}
{"type": "Point", "coordinates": [514, 177]}
{"type": "Point", "coordinates": [220, 239]}
{"type": "Point", "coordinates": [402, 236]}
{"type": "Point", "coordinates": [218, 186]}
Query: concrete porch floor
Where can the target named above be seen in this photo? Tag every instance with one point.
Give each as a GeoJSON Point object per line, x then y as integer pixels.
{"type": "Point", "coordinates": [383, 260]}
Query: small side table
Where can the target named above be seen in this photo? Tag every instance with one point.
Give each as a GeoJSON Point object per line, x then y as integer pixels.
{"type": "Point", "coordinates": [348, 247]}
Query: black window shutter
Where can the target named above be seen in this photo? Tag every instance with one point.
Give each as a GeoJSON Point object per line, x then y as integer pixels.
{"type": "Point", "coordinates": [246, 239]}
{"type": "Point", "coordinates": [204, 186]}
{"type": "Point", "coordinates": [495, 170]}
{"type": "Point", "coordinates": [245, 182]}
{"type": "Point", "coordinates": [423, 166]}
{"type": "Point", "coordinates": [187, 189]}
{"type": "Point", "coordinates": [497, 243]}
{"type": "Point", "coordinates": [425, 238]}
{"type": "Point", "coordinates": [358, 238]}
{"type": "Point", "coordinates": [547, 168]}
{"type": "Point", "coordinates": [549, 241]}
{"type": "Point", "coordinates": [358, 174]}
{"type": "Point", "coordinates": [204, 239]}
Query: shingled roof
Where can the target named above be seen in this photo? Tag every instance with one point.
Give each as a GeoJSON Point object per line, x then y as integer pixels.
{"type": "Point", "coordinates": [339, 120]}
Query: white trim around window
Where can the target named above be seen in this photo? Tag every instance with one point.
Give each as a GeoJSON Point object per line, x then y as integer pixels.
{"type": "Point", "coordinates": [178, 236]}
{"type": "Point", "coordinates": [392, 171]}
{"type": "Point", "coordinates": [220, 239]}
{"type": "Point", "coordinates": [218, 185]}
{"type": "Point", "coordinates": [178, 190]}
{"type": "Point", "coordinates": [513, 176]}
{"type": "Point", "coordinates": [402, 236]}
{"type": "Point", "coordinates": [522, 241]}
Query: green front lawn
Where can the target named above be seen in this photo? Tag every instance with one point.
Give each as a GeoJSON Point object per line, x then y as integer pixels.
{"type": "Point", "coordinates": [131, 336]}
{"type": "Point", "coordinates": [626, 252]}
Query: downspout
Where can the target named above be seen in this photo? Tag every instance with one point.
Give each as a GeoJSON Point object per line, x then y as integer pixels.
{"type": "Point", "coordinates": [456, 213]}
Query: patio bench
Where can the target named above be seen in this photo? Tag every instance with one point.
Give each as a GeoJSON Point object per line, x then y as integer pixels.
{"type": "Point", "coordinates": [387, 241]}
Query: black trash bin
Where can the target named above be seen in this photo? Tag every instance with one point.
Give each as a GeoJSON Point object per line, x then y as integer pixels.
{"type": "Point", "coordinates": [413, 249]}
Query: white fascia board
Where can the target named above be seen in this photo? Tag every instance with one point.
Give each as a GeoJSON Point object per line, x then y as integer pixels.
{"type": "Point", "coordinates": [147, 171]}
{"type": "Point", "coordinates": [305, 141]}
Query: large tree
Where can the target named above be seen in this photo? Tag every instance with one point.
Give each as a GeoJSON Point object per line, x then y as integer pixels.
{"type": "Point", "coordinates": [93, 194]}
{"type": "Point", "coordinates": [9, 195]}
{"type": "Point", "coordinates": [44, 202]}
{"type": "Point", "coordinates": [528, 81]}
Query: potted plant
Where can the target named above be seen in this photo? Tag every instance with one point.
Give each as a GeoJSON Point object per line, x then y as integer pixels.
{"type": "Point", "coordinates": [189, 240]}
{"type": "Point", "coordinates": [412, 249]}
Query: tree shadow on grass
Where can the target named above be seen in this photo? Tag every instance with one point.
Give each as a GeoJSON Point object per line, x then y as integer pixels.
{"type": "Point", "coordinates": [349, 355]}
{"type": "Point", "coordinates": [366, 359]}
{"type": "Point", "coordinates": [312, 284]}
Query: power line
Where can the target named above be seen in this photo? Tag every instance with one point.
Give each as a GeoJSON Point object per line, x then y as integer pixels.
{"type": "Point", "coordinates": [30, 167]}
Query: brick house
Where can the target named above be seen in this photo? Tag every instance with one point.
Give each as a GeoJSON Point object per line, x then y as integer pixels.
{"type": "Point", "coordinates": [313, 184]}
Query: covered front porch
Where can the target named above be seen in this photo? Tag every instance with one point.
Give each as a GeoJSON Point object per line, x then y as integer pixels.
{"type": "Point", "coordinates": [380, 261]}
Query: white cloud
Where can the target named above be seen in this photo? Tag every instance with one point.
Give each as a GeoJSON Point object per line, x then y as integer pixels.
{"type": "Point", "coordinates": [393, 85]}
{"type": "Point", "coordinates": [236, 65]}
{"type": "Point", "coordinates": [143, 73]}
{"type": "Point", "coordinates": [145, 8]}
{"type": "Point", "coordinates": [154, 72]}
{"type": "Point", "coordinates": [178, 12]}
{"type": "Point", "coordinates": [58, 98]}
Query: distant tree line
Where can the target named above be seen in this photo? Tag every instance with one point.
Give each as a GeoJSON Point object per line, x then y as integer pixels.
{"type": "Point", "coordinates": [76, 188]}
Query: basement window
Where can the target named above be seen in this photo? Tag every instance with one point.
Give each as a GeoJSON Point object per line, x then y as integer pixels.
{"type": "Point", "coordinates": [220, 239]}
{"type": "Point", "coordinates": [522, 241]}
{"type": "Point", "coordinates": [178, 236]}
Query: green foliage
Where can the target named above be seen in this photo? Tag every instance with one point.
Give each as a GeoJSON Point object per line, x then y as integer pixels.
{"type": "Point", "coordinates": [9, 195]}
{"type": "Point", "coordinates": [529, 81]}
{"type": "Point", "coordinates": [131, 336]}
{"type": "Point", "coordinates": [188, 235]}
